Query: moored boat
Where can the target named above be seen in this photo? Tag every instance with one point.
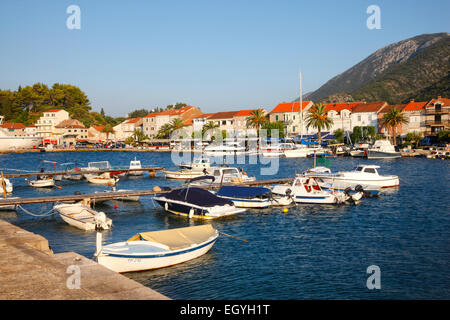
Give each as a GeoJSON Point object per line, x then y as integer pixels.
{"type": "Point", "coordinates": [246, 197]}
{"type": "Point", "coordinates": [81, 216]}
{"type": "Point", "coordinates": [104, 179]}
{"type": "Point", "coordinates": [135, 164]}
{"type": "Point", "coordinates": [383, 149]}
{"type": "Point", "coordinates": [157, 249]}
{"type": "Point", "coordinates": [42, 182]}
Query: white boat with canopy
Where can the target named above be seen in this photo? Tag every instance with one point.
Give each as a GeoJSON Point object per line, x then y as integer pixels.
{"type": "Point", "coordinates": [156, 249]}
{"type": "Point", "coordinates": [199, 167]}
{"type": "Point", "coordinates": [135, 164]}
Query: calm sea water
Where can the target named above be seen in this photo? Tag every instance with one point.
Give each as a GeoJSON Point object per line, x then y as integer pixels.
{"type": "Point", "coordinates": [311, 252]}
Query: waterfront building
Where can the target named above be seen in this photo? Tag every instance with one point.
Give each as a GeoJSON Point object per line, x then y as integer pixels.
{"type": "Point", "coordinates": [96, 134]}
{"type": "Point", "coordinates": [70, 131]}
{"type": "Point", "coordinates": [155, 120]}
{"type": "Point", "coordinates": [387, 132]}
{"type": "Point", "coordinates": [45, 126]}
{"type": "Point", "coordinates": [415, 113]}
{"type": "Point", "coordinates": [126, 129]}
{"type": "Point", "coordinates": [367, 114]}
{"type": "Point", "coordinates": [437, 116]}
{"type": "Point", "coordinates": [14, 128]}
{"type": "Point", "coordinates": [240, 122]}
{"type": "Point", "coordinates": [341, 113]}
{"type": "Point", "coordinates": [290, 114]}
{"type": "Point", "coordinates": [31, 130]}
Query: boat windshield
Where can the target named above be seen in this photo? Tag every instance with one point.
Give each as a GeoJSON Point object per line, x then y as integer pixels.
{"type": "Point", "coordinates": [358, 168]}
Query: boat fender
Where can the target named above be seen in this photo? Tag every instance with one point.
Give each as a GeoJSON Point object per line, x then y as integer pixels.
{"type": "Point", "coordinates": [191, 213]}
{"type": "Point", "coordinates": [166, 206]}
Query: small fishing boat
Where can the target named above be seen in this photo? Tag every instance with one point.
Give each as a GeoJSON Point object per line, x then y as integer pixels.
{"type": "Point", "coordinates": [156, 249]}
{"type": "Point", "coordinates": [199, 167]}
{"type": "Point", "coordinates": [121, 198]}
{"type": "Point", "coordinates": [81, 216]}
{"type": "Point", "coordinates": [246, 197]}
{"type": "Point", "coordinates": [70, 166]}
{"type": "Point", "coordinates": [195, 202]}
{"type": "Point", "coordinates": [104, 179]}
{"type": "Point", "coordinates": [42, 182]}
{"type": "Point", "coordinates": [95, 166]}
{"type": "Point", "coordinates": [225, 175]}
{"type": "Point", "coordinates": [307, 190]}
{"type": "Point", "coordinates": [135, 164]}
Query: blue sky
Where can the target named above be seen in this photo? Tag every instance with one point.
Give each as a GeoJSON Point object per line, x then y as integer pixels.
{"type": "Point", "coordinates": [217, 55]}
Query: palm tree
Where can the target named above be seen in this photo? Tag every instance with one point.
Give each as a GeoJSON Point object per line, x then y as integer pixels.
{"type": "Point", "coordinates": [164, 131]}
{"type": "Point", "coordinates": [176, 124]}
{"type": "Point", "coordinates": [108, 129]}
{"type": "Point", "coordinates": [210, 125]}
{"type": "Point", "coordinates": [393, 119]}
{"type": "Point", "coordinates": [256, 119]}
{"type": "Point", "coordinates": [139, 136]}
{"type": "Point", "coordinates": [317, 118]}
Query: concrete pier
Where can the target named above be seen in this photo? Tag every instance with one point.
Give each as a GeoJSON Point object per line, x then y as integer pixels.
{"type": "Point", "coordinates": [30, 270]}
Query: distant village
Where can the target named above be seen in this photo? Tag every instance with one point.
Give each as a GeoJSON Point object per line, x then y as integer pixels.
{"type": "Point", "coordinates": [55, 127]}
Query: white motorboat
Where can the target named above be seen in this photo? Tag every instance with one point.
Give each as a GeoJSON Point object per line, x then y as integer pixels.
{"type": "Point", "coordinates": [226, 175]}
{"type": "Point", "coordinates": [81, 216]}
{"type": "Point", "coordinates": [365, 175]}
{"type": "Point", "coordinates": [224, 149]}
{"type": "Point", "coordinates": [195, 202]}
{"type": "Point", "coordinates": [6, 185]}
{"type": "Point", "coordinates": [94, 167]}
{"type": "Point", "coordinates": [70, 166]}
{"type": "Point", "coordinates": [135, 164]}
{"type": "Point", "coordinates": [278, 150]}
{"type": "Point", "coordinates": [156, 249]}
{"type": "Point", "coordinates": [42, 182]}
{"type": "Point", "coordinates": [199, 167]}
{"type": "Point", "coordinates": [104, 179]}
{"type": "Point", "coordinates": [246, 197]}
{"type": "Point", "coordinates": [383, 149]}
{"type": "Point", "coordinates": [302, 151]}
{"type": "Point", "coordinates": [307, 190]}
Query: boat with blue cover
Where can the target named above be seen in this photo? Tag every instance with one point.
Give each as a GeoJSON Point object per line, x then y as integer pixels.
{"type": "Point", "coordinates": [247, 197]}
{"type": "Point", "coordinates": [195, 202]}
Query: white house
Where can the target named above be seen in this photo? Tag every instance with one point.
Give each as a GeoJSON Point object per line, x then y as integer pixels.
{"type": "Point", "coordinates": [45, 126]}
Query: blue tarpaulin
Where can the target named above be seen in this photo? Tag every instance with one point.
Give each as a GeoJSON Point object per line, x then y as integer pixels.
{"type": "Point", "coordinates": [243, 192]}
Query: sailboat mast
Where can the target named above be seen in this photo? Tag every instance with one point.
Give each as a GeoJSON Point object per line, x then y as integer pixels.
{"type": "Point", "coordinates": [301, 109]}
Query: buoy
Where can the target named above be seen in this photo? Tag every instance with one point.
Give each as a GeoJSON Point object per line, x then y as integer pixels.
{"type": "Point", "coordinates": [115, 204]}
{"type": "Point", "coordinates": [285, 210]}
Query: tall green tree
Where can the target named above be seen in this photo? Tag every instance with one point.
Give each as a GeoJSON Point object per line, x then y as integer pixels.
{"type": "Point", "coordinates": [317, 117]}
{"type": "Point", "coordinates": [256, 119]}
{"type": "Point", "coordinates": [210, 126]}
{"type": "Point", "coordinates": [164, 131]}
{"type": "Point", "coordinates": [108, 129]}
{"type": "Point", "coordinates": [391, 120]}
{"type": "Point", "coordinates": [276, 126]}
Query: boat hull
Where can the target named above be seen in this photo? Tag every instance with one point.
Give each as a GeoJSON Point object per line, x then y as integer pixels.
{"type": "Point", "coordinates": [129, 263]}
{"type": "Point", "coordinates": [42, 183]}
{"type": "Point", "coordinates": [16, 143]}
{"type": "Point", "coordinates": [382, 155]}
{"type": "Point", "coordinates": [388, 182]}
{"type": "Point", "coordinates": [180, 175]}
{"type": "Point", "coordinates": [249, 203]}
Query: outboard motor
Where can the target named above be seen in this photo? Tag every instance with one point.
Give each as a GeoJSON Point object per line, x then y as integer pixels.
{"type": "Point", "coordinates": [359, 188]}
{"type": "Point", "coordinates": [360, 193]}
{"type": "Point", "coordinates": [100, 221]}
{"type": "Point", "coordinates": [347, 191]}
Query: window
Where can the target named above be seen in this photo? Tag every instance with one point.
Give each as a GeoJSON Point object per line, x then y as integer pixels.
{"type": "Point", "coordinates": [370, 170]}
{"type": "Point", "coordinates": [359, 118]}
{"type": "Point", "coordinates": [276, 117]}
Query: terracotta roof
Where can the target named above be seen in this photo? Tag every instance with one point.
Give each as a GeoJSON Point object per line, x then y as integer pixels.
{"type": "Point", "coordinates": [13, 125]}
{"type": "Point", "coordinates": [70, 124]}
{"type": "Point", "coordinates": [98, 128]}
{"type": "Point", "coordinates": [415, 106]}
{"type": "Point", "coordinates": [205, 115]}
{"type": "Point", "coordinates": [53, 110]}
{"type": "Point", "coordinates": [290, 107]}
{"type": "Point", "coordinates": [444, 101]}
{"type": "Point", "coordinates": [369, 107]}
{"type": "Point", "coordinates": [247, 113]}
{"type": "Point", "coordinates": [170, 112]}
{"type": "Point", "coordinates": [399, 107]}
{"type": "Point", "coordinates": [132, 120]}
{"type": "Point", "coordinates": [223, 115]}
{"type": "Point", "coordinates": [338, 107]}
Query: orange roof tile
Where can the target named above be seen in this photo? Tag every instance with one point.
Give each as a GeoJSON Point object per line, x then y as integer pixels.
{"type": "Point", "coordinates": [338, 107]}
{"type": "Point", "coordinates": [415, 106]}
{"type": "Point", "coordinates": [246, 113]}
{"type": "Point", "coordinates": [369, 107]}
{"type": "Point", "coordinates": [290, 107]}
{"type": "Point", "coordinates": [223, 115]}
{"type": "Point", "coordinates": [53, 110]}
{"type": "Point", "coordinates": [13, 125]}
{"type": "Point", "coordinates": [399, 107]}
{"type": "Point", "coordinates": [132, 120]}
{"type": "Point", "coordinates": [205, 115]}
{"type": "Point", "coordinates": [98, 128]}
{"type": "Point", "coordinates": [445, 101]}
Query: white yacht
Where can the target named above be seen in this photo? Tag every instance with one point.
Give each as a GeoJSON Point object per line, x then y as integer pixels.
{"type": "Point", "coordinates": [382, 149]}
{"type": "Point", "coordinates": [364, 175]}
{"type": "Point", "coordinates": [224, 149]}
{"type": "Point", "coordinates": [226, 175]}
{"type": "Point", "coordinates": [199, 167]}
{"type": "Point", "coordinates": [302, 151]}
{"type": "Point", "coordinates": [277, 150]}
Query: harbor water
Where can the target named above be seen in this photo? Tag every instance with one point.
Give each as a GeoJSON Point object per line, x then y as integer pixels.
{"type": "Point", "coordinates": [308, 252]}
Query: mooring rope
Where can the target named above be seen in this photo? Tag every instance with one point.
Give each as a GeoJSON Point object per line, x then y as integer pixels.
{"type": "Point", "coordinates": [48, 213]}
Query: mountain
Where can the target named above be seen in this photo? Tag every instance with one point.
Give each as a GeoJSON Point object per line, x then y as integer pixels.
{"type": "Point", "coordinates": [394, 73]}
